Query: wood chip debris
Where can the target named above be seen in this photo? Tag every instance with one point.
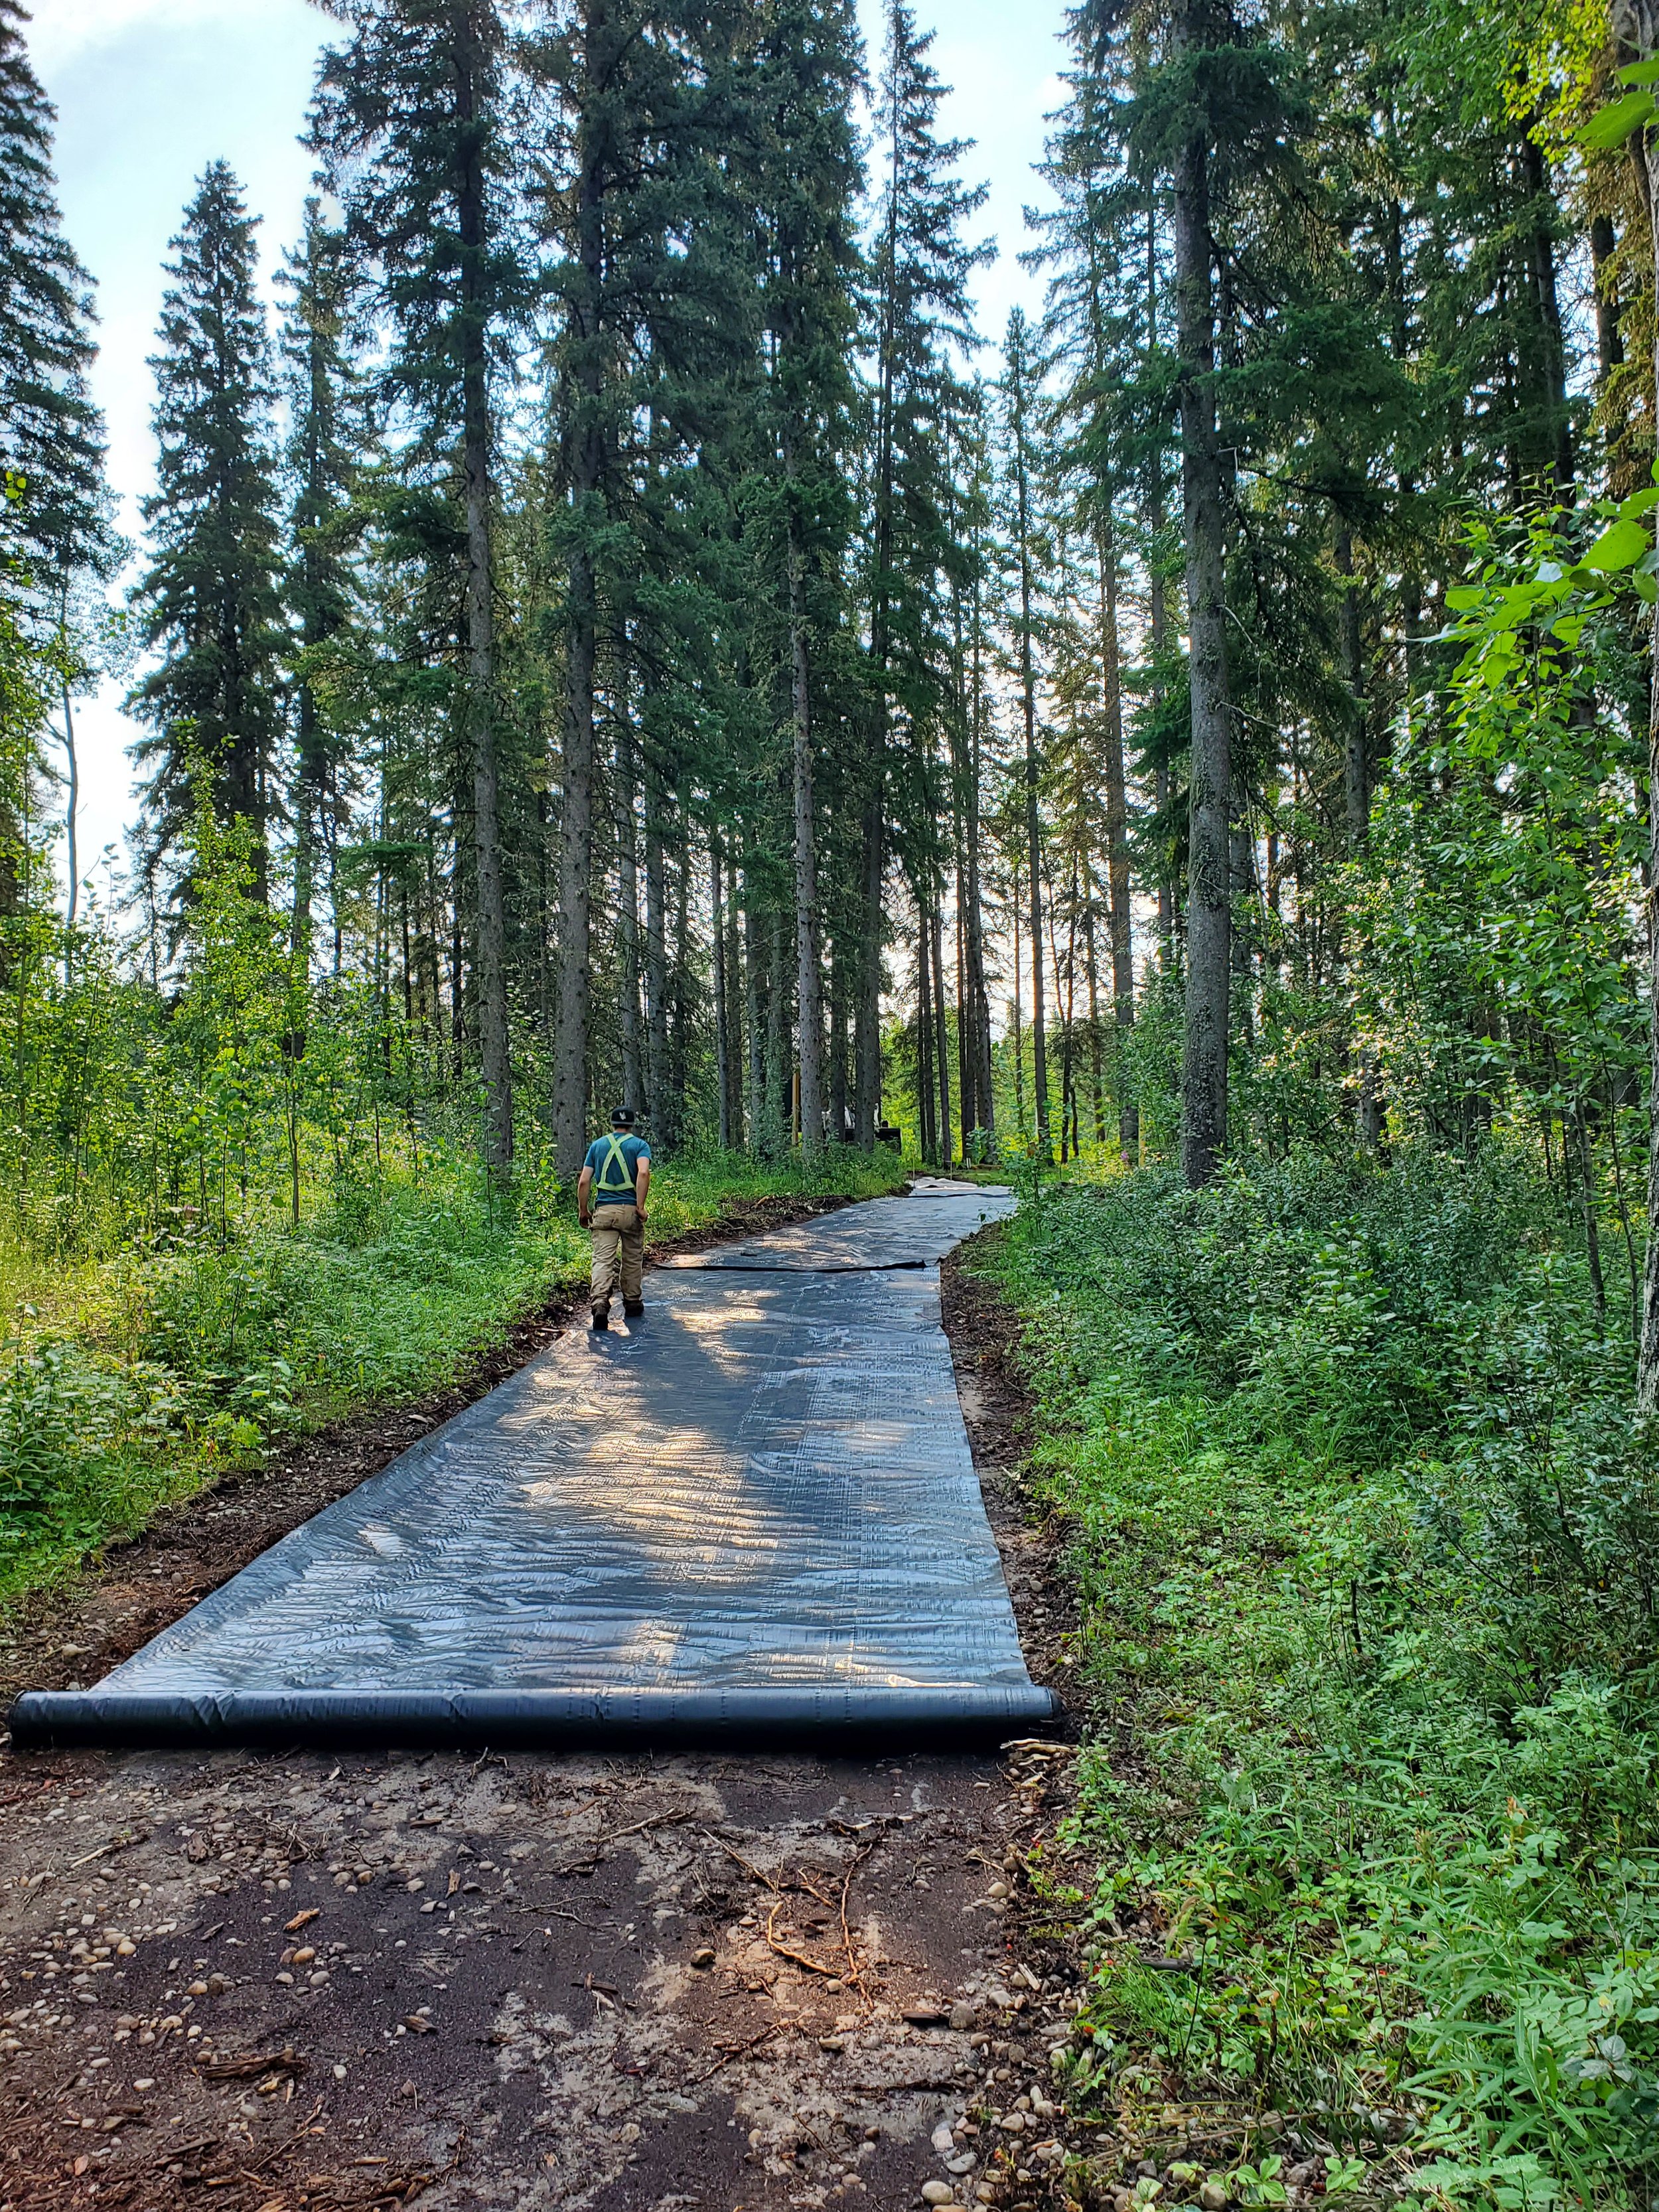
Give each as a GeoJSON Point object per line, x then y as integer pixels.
{"type": "Point", "coordinates": [246, 2065]}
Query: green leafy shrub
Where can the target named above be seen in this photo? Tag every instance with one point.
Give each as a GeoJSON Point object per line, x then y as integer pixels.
{"type": "Point", "coordinates": [1367, 1542]}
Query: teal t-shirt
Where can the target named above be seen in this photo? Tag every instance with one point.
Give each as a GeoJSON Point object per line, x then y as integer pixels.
{"type": "Point", "coordinates": [616, 1181]}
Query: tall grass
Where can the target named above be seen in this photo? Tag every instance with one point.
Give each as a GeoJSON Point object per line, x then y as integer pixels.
{"type": "Point", "coordinates": [131, 1381]}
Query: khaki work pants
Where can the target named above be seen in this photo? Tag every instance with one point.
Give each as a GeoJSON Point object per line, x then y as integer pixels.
{"type": "Point", "coordinates": [617, 1232]}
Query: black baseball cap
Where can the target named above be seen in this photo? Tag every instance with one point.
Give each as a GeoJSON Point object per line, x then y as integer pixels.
{"type": "Point", "coordinates": [622, 1117]}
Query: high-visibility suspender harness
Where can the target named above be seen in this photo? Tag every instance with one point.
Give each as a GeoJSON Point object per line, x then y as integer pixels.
{"type": "Point", "coordinates": [611, 1194]}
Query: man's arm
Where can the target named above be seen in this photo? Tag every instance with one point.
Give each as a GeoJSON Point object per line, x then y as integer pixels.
{"type": "Point", "coordinates": [584, 1186]}
{"type": "Point", "coordinates": [642, 1183]}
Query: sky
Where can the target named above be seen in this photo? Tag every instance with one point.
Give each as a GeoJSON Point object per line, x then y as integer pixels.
{"type": "Point", "coordinates": [149, 91]}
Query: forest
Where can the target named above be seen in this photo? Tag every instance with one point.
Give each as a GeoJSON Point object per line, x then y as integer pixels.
{"type": "Point", "coordinates": [622, 634]}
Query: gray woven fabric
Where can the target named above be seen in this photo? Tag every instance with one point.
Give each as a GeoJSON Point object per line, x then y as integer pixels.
{"type": "Point", "coordinates": [754, 1507]}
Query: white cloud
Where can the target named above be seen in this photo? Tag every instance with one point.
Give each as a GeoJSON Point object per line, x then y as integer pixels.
{"type": "Point", "coordinates": [63, 30]}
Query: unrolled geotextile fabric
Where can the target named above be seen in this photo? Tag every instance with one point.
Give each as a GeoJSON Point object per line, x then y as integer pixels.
{"type": "Point", "coordinates": [752, 1513]}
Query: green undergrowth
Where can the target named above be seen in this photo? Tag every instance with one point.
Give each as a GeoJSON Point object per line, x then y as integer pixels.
{"type": "Point", "coordinates": [129, 1382]}
{"type": "Point", "coordinates": [1368, 1545]}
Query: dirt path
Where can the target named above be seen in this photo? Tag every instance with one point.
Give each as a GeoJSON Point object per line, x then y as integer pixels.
{"type": "Point", "coordinates": [732, 1981]}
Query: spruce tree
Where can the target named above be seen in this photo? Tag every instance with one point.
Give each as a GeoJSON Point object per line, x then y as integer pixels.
{"type": "Point", "coordinates": [1095, 322]}
{"type": "Point", "coordinates": [1193, 31]}
{"type": "Point", "coordinates": [409, 120]}
{"type": "Point", "coordinates": [51, 432]}
{"type": "Point", "coordinates": [922, 267]}
{"type": "Point", "coordinates": [637, 213]}
{"type": "Point", "coordinates": [1018, 390]}
{"type": "Point", "coordinates": [325, 456]}
{"type": "Point", "coordinates": [806, 76]}
{"type": "Point", "coordinates": [210, 601]}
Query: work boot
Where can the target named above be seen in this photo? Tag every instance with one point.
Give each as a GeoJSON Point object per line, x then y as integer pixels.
{"type": "Point", "coordinates": [632, 1308]}
{"type": "Point", "coordinates": [601, 1316]}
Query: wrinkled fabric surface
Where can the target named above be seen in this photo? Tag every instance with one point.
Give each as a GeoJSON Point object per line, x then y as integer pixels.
{"type": "Point", "coordinates": [754, 1510]}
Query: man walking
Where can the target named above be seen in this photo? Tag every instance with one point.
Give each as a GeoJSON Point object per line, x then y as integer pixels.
{"type": "Point", "coordinates": [610, 1196]}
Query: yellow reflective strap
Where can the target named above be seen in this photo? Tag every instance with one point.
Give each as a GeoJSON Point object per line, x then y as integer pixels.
{"type": "Point", "coordinates": [613, 1152]}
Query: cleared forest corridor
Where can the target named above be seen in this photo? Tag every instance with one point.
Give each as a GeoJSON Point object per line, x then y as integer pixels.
{"type": "Point", "coordinates": [849, 592]}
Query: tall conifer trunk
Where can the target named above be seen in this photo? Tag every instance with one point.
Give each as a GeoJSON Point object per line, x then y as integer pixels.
{"type": "Point", "coordinates": [928, 1135]}
{"type": "Point", "coordinates": [717, 947]}
{"type": "Point", "coordinates": [1019, 378]}
{"type": "Point", "coordinates": [733, 1005]}
{"type": "Point", "coordinates": [941, 1035]}
{"type": "Point", "coordinates": [627, 916]}
{"type": "Point", "coordinates": [1636, 22]}
{"type": "Point", "coordinates": [867, 1015]}
{"type": "Point", "coordinates": [755, 1062]}
{"type": "Point", "coordinates": [1356, 796]}
{"type": "Point", "coordinates": [978, 987]}
{"type": "Point", "coordinates": [672, 1125]}
{"type": "Point", "coordinates": [965, 1040]}
{"type": "Point", "coordinates": [838, 1098]}
{"type": "Point", "coordinates": [491, 952]}
{"type": "Point", "coordinates": [585, 472]}
{"type": "Point", "coordinates": [1117, 859]}
{"type": "Point", "coordinates": [656, 961]}
{"type": "Point", "coordinates": [867, 1012]}
{"type": "Point", "coordinates": [1204, 1052]}
{"type": "Point", "coordinates": [777, 1041]}
{"type": "Point", "coordinates": [809, 985]}
{"type": "Point", "coordinates": [1020, 1035]}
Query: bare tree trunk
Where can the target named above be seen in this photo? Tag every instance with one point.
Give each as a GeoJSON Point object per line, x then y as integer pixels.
{"type": "Point", "coordinates": [1609, 340]}
{"type": "Point", "coordinates": [1357, 797]}
{"type": "Point", "coordinates": [978, 987]}
{"type": "Point", "coordinates": [1028, 705]}
{"type": "Point", "coordinates": [1096, 1084]}
{"type": "Point", "coordinates": [493, 1034]}
{"type": "Point", "coordinates": [867, 1017]}
{"type": "Point", "coordinates": [809, 980]}
{"type": "Point", "coordinates": [722, 1041]}
{"type": "Point", "coordinates": [72, 808]}
{"type": "Point", "coordinates": [733, 1004]}
{"type": "Point", "coordinates": [1020, 1040]}
{"type": "Point", "coordinates": [1356, 793]}
{"type": "Point", "coordinates": [1157, 613]}
{"type": "Point", "coordinates": [1068, 1026]}
{"type": "Point", "coordinates": [942, 1040]}
{"type": "Point", "coordinates": [1204, 1054]}
{"type": "Point", "coordinates": [927, 1135]}
{"type": "Point", "coordinates": [585, 473]}
{"type": "Point", "coordinates": [755, 1066]}
{"type": "Point", "coordinates": [629, 886]}
{"type": "Point", "coordinates": [777, 1042]}
{"type": "Point", "coordinates": [965, 1060]}
{"type": "Point", "coordinates": [1117, 856]}
{"type": "Point", "coordinates": [960, 744]}
{"type": "Point", "coordinates": [838, 1044]}
{"type": "Point", "coordinates": [1553, 349]}
{"type": "Point", "coordinates": [1587, 1194]}
{"type": "Point", "coordinates": [680, 998]}
{"type": "Point", "coordinates": [1636, 22]}
{"type": "Point", "coordinates": [656, 964]}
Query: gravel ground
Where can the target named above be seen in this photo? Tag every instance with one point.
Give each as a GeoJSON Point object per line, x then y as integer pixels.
{"type": "Point", "coordinates": [622, 1986]}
